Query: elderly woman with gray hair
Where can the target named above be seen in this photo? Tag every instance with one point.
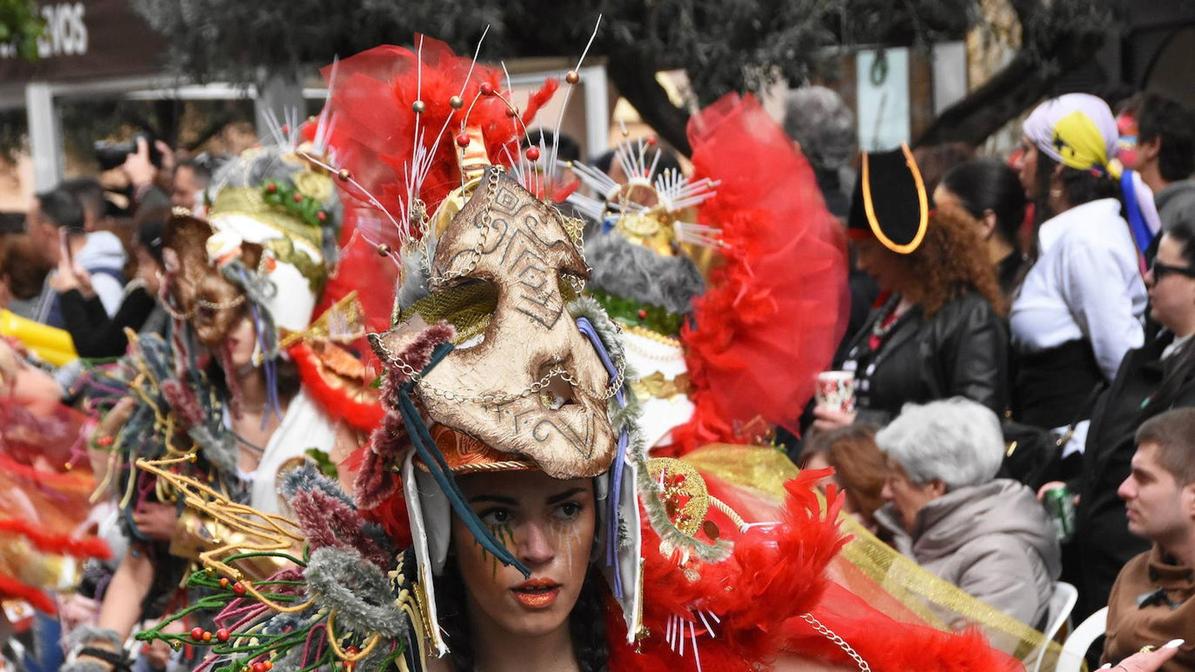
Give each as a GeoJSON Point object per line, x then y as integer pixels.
{"type": "Point", "coordinates": [987, 536]}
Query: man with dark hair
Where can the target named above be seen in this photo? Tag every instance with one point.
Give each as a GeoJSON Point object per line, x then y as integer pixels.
{"type": "Point", "coordinates": [91, 262]}
{"type": "Point", "coordinates": [1152, 601]}
{"type": "Point", "coordinates": [90, 194]}
{"type": "Point", "coordinates": [1166, 156]}
{"type": "Point", "coordinates": [191, 178]}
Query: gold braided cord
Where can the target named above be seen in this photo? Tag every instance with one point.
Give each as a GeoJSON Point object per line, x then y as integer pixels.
{"type": "Point", "coordinates": [269, 533]}
{"type": "Point", "coordinates": [334, 642]}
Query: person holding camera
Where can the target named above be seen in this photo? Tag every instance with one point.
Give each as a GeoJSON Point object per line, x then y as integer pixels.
{"type": "Point", "coordinates": [144, 169]}
{"type": "Point", "coordinates": [86, 262]}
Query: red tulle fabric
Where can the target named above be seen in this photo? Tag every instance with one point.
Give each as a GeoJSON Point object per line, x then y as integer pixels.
{"type": "Point", "coordinates": [776, 309]}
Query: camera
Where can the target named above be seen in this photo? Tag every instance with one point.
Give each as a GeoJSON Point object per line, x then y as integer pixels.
{"type": "Point", "coordinates": [113, 154]}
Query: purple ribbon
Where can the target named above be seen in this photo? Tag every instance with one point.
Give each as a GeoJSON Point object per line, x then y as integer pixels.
{"type": "Point", "coordinates": [614, 495]}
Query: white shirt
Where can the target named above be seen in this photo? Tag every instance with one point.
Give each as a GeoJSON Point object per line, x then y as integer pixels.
{"type": "Point", "coordinates": [1086, 284]}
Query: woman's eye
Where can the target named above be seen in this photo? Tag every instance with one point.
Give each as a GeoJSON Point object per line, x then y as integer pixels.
{"type": "Point", "coordinates": [568, 511]}
{"type": "Point", "coordinates": [496, 517]}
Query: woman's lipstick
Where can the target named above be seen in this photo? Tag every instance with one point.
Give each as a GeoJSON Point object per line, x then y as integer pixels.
{"type": "Point", "coordinates": [537, 593]}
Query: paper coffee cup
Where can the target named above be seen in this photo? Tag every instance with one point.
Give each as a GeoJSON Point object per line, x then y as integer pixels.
{"type": "Point", "coordinates": [836, 390]}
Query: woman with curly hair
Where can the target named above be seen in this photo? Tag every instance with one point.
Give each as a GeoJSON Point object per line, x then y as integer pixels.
{"type": "Point", "coordinates": [940, 332]}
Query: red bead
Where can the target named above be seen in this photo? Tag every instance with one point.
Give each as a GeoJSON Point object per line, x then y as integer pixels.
{"type": "Point", "coordinates": [238, 588]}
{"type": "Point", "coordinates": [268, 664]}
{"type": "Point", "coordinates": [487, 89]}
{"type": "Point", "coordinates": [222, 634]}
{"type": "Point", "coordinates": [533, 153]}
{"type": "Point", "coordinates": [271, 188]}
{"type": "Point", "coordinates": [298, 197]}
{"type": "Point", "coordinates": [321, 216]}
{"type": "Point", "coordinates": [651, 140]}
{"type": "Point", "coordinates": [207, 636]}
{"type": "Point", "coordinates": [197, 633]}
{"type": "Point", "coordinates": [257, 667]}
{"type": "Point", "coordinates": [462, 139]}
{"type": "Point", "coordinates": [642, 314]}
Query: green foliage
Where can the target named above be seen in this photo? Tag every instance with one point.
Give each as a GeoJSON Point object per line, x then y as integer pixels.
{"type": "Point", "coordinates": [20, 26]}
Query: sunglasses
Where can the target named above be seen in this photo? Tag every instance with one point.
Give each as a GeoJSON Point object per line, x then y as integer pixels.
{"type": "Point", "coordinates": [1160, 270]}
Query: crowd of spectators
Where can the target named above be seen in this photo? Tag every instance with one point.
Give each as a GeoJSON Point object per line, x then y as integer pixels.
{"type": "Point", "coordinates": [1029, 345]}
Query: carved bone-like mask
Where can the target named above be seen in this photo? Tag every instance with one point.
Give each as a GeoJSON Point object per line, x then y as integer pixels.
{"type": "Point", "coordinates": [534, 385]}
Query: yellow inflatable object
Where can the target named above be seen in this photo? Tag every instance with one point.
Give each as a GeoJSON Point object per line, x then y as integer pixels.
{"type": "Point", "coordinates": [50, 343]}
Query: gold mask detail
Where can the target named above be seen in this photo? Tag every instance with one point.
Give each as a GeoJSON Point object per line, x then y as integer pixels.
{"type": "Point", "coordinates": [534, 385]}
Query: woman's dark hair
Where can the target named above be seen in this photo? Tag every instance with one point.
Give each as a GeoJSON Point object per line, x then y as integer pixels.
{"type": "Point", "coordinates": [988, 184]}
{"type": "Point", "coordinates": [586, 623]}
{"type": "Point", "coordinates": [1078, 186]}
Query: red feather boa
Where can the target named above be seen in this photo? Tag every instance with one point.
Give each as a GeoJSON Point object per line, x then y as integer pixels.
{"type": "Point", "coordinates": [10, 588]}
{"type": "Point", "coordinates": [60, 544]}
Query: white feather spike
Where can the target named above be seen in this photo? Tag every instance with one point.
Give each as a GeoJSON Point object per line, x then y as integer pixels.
{"type": "Point", "coordinates": [601, 183]}
{"type": "Point", "coordinates": [682, 636]}
{"type": "Point", "coordinates": [697, 234]}
{"type": "Point", "coordinates": [706, 623]}
{"type": "Point", "coordinates": [696, 653]}
{"type": "Point", "coordinates": [590, 207]}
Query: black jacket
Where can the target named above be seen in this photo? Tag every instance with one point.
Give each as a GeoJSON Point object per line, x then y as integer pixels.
{"type": "Point", "coordinates": [961, 351]}
{"type": "Point", "coordinates": [95, 334]}
{"type": "Point", "coordinates": [1102, 533]}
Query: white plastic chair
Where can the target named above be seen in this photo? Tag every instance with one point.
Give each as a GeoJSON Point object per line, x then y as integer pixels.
{"type": "Point", "coordinates": [1074, 650]}
{"type": "Point", "coordinates": [1062, 603]}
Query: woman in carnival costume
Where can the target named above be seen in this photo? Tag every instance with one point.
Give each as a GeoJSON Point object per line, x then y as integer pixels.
{"type": "Point", "coordinates": [506, 513]}
{"type": "Point", "coordinates": [248, 386]}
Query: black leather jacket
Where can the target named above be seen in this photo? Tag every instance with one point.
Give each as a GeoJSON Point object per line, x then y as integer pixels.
{"type": "Point", "coordinates": [961, 351]}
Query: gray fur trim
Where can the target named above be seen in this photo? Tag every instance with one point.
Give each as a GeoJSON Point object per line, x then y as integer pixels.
{"type": "Point", "coordinates": [632, 271]}
{"type": "Point", "coordinates": [86, 634]}
{"type": "Point", "coordinates": [308, 477]}
{"type": "Point", "coordinates": [221, 452]}
{"type": "Point", "coordinates": [340, 579]}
